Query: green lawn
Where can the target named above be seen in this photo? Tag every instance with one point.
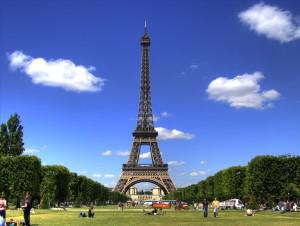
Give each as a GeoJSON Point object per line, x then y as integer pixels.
{"type": "Point", "coordinates": [135, 217]}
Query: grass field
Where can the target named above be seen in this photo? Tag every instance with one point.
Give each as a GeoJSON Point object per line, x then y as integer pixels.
{"type": "Point", "coordinates": [111, 216]}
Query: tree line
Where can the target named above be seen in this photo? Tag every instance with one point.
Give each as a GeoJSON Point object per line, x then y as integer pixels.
{"type": "Point", "coordinates": [265, 180]}
{"type": "Point", "coordinates": [48, 185]}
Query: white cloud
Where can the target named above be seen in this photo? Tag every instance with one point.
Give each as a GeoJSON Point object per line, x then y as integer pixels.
{"type": "Point", "coordinates": [193, 174]}
{"type": "Point", "coordinates": [31, 151]}
{"type": "Point", "coordinates": [109, 175]}
{"type": "Point", "coordinates": [194, 66]}
{"type": "Point", "coordinates": [163, 114]}
{"type": "Point", "coordinates": [57, 73]}
{"type": "Point", "coordinates": [146, 155]}
{"type": "Point", "coordinates": [165, 134]}
{"type": "Point", "coordinates": [242, 91]}
{"type": "Point", "coordinates": [271, 21]}
{"type": "Point", "coordinates": [198, 173]}
{"type": "Point", "coordinates": [123, 153]}
{"type": "Point", "coordinates": [202, 162]}
{"type": "Point", "coordinates": [108, 152]}
{"type": "Point", "coordinates": [97, 175]}
{"type": "Point", "coordinates": [176, 163]}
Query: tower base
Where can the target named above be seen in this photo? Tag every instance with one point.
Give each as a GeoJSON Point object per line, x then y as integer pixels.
{"type": "Point", "coordinates": [157, 175]}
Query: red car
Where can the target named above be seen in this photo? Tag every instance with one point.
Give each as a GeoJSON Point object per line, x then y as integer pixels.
{"type": "Point", "coordinates": [182, 206]}
{"type": "Point", "coordinates": [162, 205]}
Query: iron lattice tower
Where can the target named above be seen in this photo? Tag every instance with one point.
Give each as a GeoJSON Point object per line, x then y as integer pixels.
{"type": "Point", "coordinates": [145, 134]}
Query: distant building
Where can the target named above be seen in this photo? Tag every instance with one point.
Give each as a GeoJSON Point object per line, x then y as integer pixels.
{"type": "Point", "coordinates": [133, 191]}
{"type": "Point", "coordinates": [157, 194]}
{"type": "Point", "coordinates": [157, 191]}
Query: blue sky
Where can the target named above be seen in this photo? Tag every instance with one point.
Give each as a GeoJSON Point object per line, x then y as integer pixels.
{"type": "Point", "coordinates": [224, 76]}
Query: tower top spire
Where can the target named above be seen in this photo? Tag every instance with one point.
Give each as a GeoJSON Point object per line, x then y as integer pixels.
{"type": "Point", "coordinates": [145, 116]}
{"type": "Point", "coordinates": [145, 40]}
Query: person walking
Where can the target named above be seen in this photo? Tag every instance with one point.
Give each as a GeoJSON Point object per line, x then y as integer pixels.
{"type": "Point", "coordinates": [26, 208]}
{"type": "Point", "coordinates": [205, 208]}
{"type": "Point", "coordinates": [195, 205]}
{"type": "Point", "coordinates": [216, 206]}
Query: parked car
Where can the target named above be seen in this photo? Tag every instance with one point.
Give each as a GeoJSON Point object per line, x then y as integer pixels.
{"type": "Point", "coordinates": [182, 205]}
{"type": "Point", "coordinates": [232, 204]}
{"type": "Point", "coordinates": [148, 203]}
{"type": "Point", "coordinates": [185, 205]}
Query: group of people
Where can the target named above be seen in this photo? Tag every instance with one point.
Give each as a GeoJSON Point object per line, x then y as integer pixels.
{"type": "Point", "coordinates": [204, 207]}
{"type": "Point", "coordinates": [89, 214]}
{"type": "Point", "coordinates": [286, 206]}
{"type": "Point", "coordinates": [26, 206]}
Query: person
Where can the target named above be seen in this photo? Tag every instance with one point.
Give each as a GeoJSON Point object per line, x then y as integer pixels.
{"type": "Point", "coordinates": [216, 206]}
{"type": "Point", "coordinates": [82, 214]}
{"type": "Point", "coordinates": [26, 208]}
{"type": "Point", "coordinates": [295, 207]}
{"type": "Point", "coordinates": [153, 212]}
{"type": "Point", "coordinates": [200, 206]}
{"type": "Point", "coordinates": [121, 206]}
{"type": "Point", "coordinates": [12, 222]}
{"type": "Point", "coordinates": [195, 205]}
{"type": "Point", "coordinates": [205, 208]}
{"type": "Point", "coordinates": [2, 222]}
{"type": "Point", "coordinates": [178, 205]}
{"type": "Point", "coordinates": [3, 208]}
{"type": "Point", "coordinates": [91, 212]}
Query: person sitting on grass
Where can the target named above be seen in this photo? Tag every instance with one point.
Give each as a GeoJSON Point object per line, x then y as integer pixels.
{"type": "Point", "coordinates": [11, 222]}
{"type": "Point", "coordinates": [153, 212]}
{"type": "Point", "coordinates": [91, 212]}
{"type": "Point", "coordinates": [82, 214]}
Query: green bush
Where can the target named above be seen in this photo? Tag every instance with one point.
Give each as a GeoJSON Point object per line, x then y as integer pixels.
{"type": "Point", "coordinates": [18, 175]}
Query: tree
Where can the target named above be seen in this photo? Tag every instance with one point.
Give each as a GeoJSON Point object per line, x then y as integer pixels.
{"type": "Point", "coordinates": [11, 137]}
{"type": "Point", "coordinates": [20, 174]}
{"type": "Point", "coordinates": [4, 140]}
{"type": "Point", "coordinates": [219, 184]}
{"type": "Point", "coordinates": [55, 185]}
{"type": "Point", "coordinates": [269, 177]}
{"type": "Point", "coordinates": [233, 182]}
{"type": "Point", "coordinates": [291, 192]}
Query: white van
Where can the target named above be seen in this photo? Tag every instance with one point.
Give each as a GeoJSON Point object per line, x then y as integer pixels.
{"type": "Point", "coordinates": [232, 204]}
{"type": "Point", "coordinates": [148, 203]}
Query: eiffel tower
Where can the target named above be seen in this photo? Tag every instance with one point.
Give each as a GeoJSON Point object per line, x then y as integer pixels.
{"type": "Point", "coordinates": [145, 135]}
